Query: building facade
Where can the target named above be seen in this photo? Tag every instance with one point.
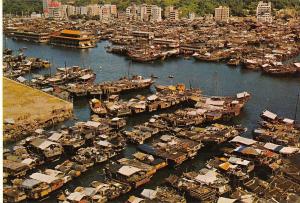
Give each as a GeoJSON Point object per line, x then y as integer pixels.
{"type": "Point", "coordinates": [144, 12]}
{"type": "Point", "coordinates": [108, 11]}
{"type": "Point", "coordinates": [55, 12]}
{"type": "Point", "coordinates": [46, 4]}
{"type": "Point", "coordinates": [156, 13]}
{"type": "Point", "coordinates": [171, 13]}
{"type": "Point", "coordinates": [222, 13]}
{"type": "Point", "coordinates": [70, 10]}
{"type": "Point", "coordinates": [93, 10]}
{"type": "Point", "coordinates": [83, 10]}
{"type": "Point", "coordinates": [132, 12]}
{"type": "Point", "coordinates": [264, 12]}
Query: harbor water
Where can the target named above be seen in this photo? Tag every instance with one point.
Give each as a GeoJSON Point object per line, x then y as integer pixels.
{"type": "Point", "coordinates": [277, 94]}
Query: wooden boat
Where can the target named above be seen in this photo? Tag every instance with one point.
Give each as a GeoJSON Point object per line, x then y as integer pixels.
{"type": "Point", "coordinates": [46, 64]}
{"type": "Point", "coordinates": [280, 70]}
{"type": "Point", "coordinates": [153, 106]}
{"type": "Point", "coordinates": [111, 189]}
{"type": "Point", "coordinates": [117, 123]}
{"type": "Point", "coordinates": [149, 159]}
{"type": "Point", "coordinates": [163, 104]}
{"type": "Point", "coordinates": [14, 169]}
{"type": "Point", "coordinates": [35, 189]}
{"type": "Point", "coordinates": [13, 195]}
{"type": "Point", "coordinates": [144, 57]}
{"type": "Point", "coordinates": [195, 190]}
{"type": "Point", "coordinates": [97, 107]}
{"type": "Point", "coordinates": [233, 62]}
{"type": "Point", "coordinates": [134, 176]}
{"type": "Point", "coordinates": [48, 149]}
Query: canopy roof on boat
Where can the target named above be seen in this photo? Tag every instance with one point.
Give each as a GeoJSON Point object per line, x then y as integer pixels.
{"type": "Point", "coordinates": [75, 196]}
{"type": "Point", "coordinates": [242, 95]}
{"type": "Point", "coordinates": [149, 194]}
{"type": "Point", "coordinates": [208, 178]}
{"type": "Point", "coordinates": [134, 199]}
{"type": "Point", "coordinates": [243, 140]}
{"type": "Point", "coordinates": [128, 170]}
{"type": "Point", "coordinates": [209, 101]}
{"type": "Point", "coordinates": [43, 177]}
{"type": "Point", "coordinates": [30, 183]}
{"type": "Point", "coordinates": [269, 114]}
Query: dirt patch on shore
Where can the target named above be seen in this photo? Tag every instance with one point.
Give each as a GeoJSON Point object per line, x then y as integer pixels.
{"type": "Point", "coordinates": [26, 106]}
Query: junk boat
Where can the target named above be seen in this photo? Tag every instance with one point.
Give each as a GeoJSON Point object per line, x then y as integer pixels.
{"type": "Point", "coordinates": [174, 150]}
{"type": "Point", "coordinates": [160, 194]}
{"type": "Point", "coordinates": [135, 176]}
{"type": "Point", "coordinates": [14, 169]}
{"type": "Point", "coordinates": [13, 194]}
{"type": "Point", "coordinates": [50, 150]}
{"type": "Point", "coordinates": [97, 107]}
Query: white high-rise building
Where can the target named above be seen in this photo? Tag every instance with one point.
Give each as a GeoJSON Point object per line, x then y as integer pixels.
{"type": "Point", "coordinates": [55, 12]}
{"type": "Point", "coordinates": [171, 13]}
{"type": "Point", "coordinates": [132, 12]}
{"type": "Point", "coordinates": [64, 11]}
{"type": "Point", "coordinates": [77, 10]}
{"type": "Point", "coordinates": [222, 13]}
{"type": "Point", "coordinates": [143, 13]}
{"type": "Point", "coordinates": [93, 10]}
{"type": "Point", "coordinates": [70, 10]}
{"type": "Point", "coordinates": [167, 11]}
{"type": "Point", "coordinates": [83, 10]}
{"type": "Point", "coordinates": [264, 12]}
{"type": "Point", "coordinates": [155, 13]}
{"type": "Point", "coordinates": [107, 11]}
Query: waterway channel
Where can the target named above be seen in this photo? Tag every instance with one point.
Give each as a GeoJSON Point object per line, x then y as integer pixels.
{"type": "Point", "coordinates": [278, 94]}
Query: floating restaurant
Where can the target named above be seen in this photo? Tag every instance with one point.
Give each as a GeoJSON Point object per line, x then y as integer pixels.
{"type": "Point", "coordinates": [31, 36]}
{"type": "Point", "coordinates": [73, 39]}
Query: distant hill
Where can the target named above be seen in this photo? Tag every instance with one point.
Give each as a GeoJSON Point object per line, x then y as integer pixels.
{"type": "Point", "coordinates": [17, 6]}
{"type": "Point", "coordinates": [201, 7]}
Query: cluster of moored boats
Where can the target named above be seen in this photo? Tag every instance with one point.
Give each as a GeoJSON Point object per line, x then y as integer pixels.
{"type": "Point", "coordinates": [85, 143]}
{"type": "Point", "coordinates": [205, 110]}
{"type": "Point", "coordinates": [241, 169]}
{"type": "Point", "coordinates": [162, 99]}
{"type": "Point", "coordinates": [233, 174]}
{"type": "Point", "coordinates": [16, 66]}
{"type": "Point", "coordinates": [251, 45]}
{"type": "Point", "coordinates": [78, 82]}
{"type": "Point", "coordinates": [241, 41]}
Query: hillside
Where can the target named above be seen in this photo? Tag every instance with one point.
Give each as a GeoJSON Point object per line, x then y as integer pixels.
{"type": "Point", "coordinates": [201, 7]}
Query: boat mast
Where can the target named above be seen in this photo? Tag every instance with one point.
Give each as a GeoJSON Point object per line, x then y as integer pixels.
{"type": "Point", "coordinates": [215, 83]}
{"type": "Point", "coordinates": [52, 63]}
{"type": "Point", "coordinates": [66, 69]}
{"type": "Point", "coordinates": [5, 42]}
{"type": "Point", "coordinates": [128, 70]}
{"type": "Point", "coordinates": [296, 110]}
